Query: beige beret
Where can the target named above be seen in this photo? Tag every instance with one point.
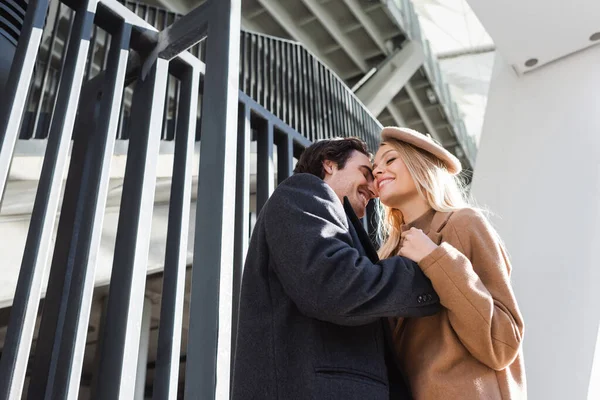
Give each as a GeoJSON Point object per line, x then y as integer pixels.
{"type": "Point", "coordinates": [423, 142]}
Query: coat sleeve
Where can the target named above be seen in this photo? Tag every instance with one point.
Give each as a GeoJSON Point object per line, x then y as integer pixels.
{"type": "Point", "coordinates": [471, 273]}
{"type": "Point", "coordinates": [312, 255]}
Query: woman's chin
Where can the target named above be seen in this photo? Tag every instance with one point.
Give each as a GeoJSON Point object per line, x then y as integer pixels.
{"type": "Point", "coordinates": [390, 200]}
{"type": "Point", "coordinates": [385, 200]}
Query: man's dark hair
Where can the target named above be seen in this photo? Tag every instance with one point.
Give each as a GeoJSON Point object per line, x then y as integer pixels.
{"type": "Point", "coordinates": [336, 150]}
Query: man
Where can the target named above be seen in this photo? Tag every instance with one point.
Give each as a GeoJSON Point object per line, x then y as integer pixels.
{"type": "Point", "coordinates": [314, 293]}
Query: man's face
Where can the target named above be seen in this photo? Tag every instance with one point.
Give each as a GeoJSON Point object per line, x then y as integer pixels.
{"type": "Point", "coordinates": [355, 181]}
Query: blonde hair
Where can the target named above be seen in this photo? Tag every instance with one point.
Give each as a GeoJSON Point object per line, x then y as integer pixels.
{"type": "Point", "coordinates": [442, 191]}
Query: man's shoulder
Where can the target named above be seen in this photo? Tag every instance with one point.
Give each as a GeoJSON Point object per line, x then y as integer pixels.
{"type": "Point", "coordinates": [305, 192]}
{"type": "Point", "coordinates": [303, 186]}
{"type": "Point", "coordinates": [303, 181]}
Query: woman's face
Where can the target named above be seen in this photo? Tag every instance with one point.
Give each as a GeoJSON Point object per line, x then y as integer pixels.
{"type": "Point", "coordinates": [392, 179]}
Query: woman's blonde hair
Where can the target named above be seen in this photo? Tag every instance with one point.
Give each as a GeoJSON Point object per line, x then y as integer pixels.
{"type": "Point", "coordinates": [443, 192]}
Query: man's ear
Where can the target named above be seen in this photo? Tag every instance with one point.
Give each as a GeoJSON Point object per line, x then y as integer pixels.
{"type": "Point", "coordinates": [329, 166]}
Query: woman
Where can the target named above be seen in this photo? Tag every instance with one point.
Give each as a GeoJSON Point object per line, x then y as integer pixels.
{"type": "Point", "coordinates": [472, 348]}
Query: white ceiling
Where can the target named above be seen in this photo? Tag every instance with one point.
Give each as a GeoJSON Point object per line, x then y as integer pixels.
{"type": "Point", "coordinates": [450, 26]}
{"type": "Point", "coordinates": [543, 29]}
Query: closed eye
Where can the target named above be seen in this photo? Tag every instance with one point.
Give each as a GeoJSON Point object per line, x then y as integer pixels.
{"type": "Point", "coordinates": [389, 161]}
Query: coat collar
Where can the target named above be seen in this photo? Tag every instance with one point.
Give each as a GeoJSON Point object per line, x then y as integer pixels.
{"type": "Point", "coordinates": [439, 221]}
{"type": "Point", "coordinates": [363, 237]}
{"type": "Point", "coordinates": [432, 223]}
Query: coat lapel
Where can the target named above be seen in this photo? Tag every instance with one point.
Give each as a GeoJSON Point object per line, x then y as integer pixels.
{"type": "Point", "coordinates": [437, 224]}
{"type": "Point", "coordinates": [359, 235]}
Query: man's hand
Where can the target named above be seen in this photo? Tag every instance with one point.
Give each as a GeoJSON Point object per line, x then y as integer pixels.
{"type": "Point", "coordinates": [416, 245]}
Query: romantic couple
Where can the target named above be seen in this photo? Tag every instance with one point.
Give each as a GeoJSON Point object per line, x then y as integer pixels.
{"type": "Point", "coordinates": [324, 315]}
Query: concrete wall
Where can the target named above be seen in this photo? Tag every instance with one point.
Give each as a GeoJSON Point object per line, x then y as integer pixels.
{"type": "Point", "coordinates": [538, 170]}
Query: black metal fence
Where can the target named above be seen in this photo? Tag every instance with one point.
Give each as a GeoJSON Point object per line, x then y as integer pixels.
{"type": "Point", "coordinates": [74, 79]}
{"type": "Point", "coordinates": [282, 76]}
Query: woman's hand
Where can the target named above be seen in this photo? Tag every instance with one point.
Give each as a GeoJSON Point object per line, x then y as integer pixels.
{"type": "Point", "coordinates": [416, 245]}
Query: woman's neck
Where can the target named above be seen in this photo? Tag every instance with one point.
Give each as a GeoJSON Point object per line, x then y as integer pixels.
{"type": "Point", "coordinates": [412, 209]}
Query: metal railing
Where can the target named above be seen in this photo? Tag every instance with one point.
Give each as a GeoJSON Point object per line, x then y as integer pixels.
{"type": "Point", "coordinates": [88, 108]}
{"type": "Point", "coordinates": [281, 75]}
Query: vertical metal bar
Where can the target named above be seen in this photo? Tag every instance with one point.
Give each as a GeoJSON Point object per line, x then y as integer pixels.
{"type": "Point", "coordinates": [40, 100]}
{"type": "Point", "coordinates": [15, 92]}
{"type": "Point", "coordinates": [283, 93]}
{"type": "Point", "coordinates": [343, 109]}
{"type": "Point", "coordinates": [308, 132]}
{"type": "Point", "coordinates": [56, 76]}
{"type": "Point", "coordinates": [267, 74]}
{"type": "Point", "coordinates": [247, 63]}
{"type": "Point", "coordinates": [243, 62]}
{"type": "Point", "coordinates": [287, 79]}
{"type": "Point", "coordinates": [128, 280]}
{"type": "Point", "coordinates": [263, 80]}
{"type": "Point", "coordinates": [166, 374]}
{"type": "Point", "coordinates": [176, 110]}
{"type": "Point", "coordinates": [355, 110]}
{"type": "Point", "coordinates": [271, 62]}
{"type": "Point", "coordinates": [278, 86]}
{"type": "Point", "coordinates": [310, 77]}
{"type": "Point", "coordinates": [324, 108]}
{"type": "Point", "coordinates": [337, 131]}
{"type": "Point", "coordinates": [333, 113]}
{"type": "Point", "coordinates": [265, 168]}
{"type": "Point", "coordinates": [265, 71]}
{"type": "Point", "coordinates": [328, 108]}
{"type": "Point", "coordinates": [295, 71]}
{"type": "Point", "coordinates": [317, 96]}
{"type": "Point", "coordinates": [165, 119]}
{"type": "Point", "coordinates": [308, 100]}
{"type": "Point", "coordinates": [242, 210]}
{"type": "Point", "coordinates": [254, 67]}
{"type": "Point", "coordinates": [259, 78]}
{"type": "Point", "coordinates": [59, 357]}
{"type": "Point", "coordinates": [90, 57]}
{"type": "Point", "coordinates": [208, 353]}
{"type": "Point", "coordinates": [105, 50]}
{"type": "Point", "coordinates": [103, 302]}
{"type": "Point", "coordinates": [301, 97]}
{"type": "Point", "coordinates": [144, 346]}
{"type": "Point", "coordinates": [27, 296]}
{"type": "Point", "coordinates": [347, 113]}
{"type": "Point", "coordinates": [155, 19]}
{"type": "Point", "coordinates": [353, 113]}
{"type": "Point", "coordinates": [285, 158]}
{"type": "Point", "coordinates": [362, 119]}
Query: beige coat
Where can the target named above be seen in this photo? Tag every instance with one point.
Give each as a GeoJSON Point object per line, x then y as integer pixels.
{"type": "Point", "coordinates": [472, 349]}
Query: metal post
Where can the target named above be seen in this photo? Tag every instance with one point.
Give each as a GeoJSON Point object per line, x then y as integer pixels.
{"type": "Point", "coordinates": [166, 374]}
{"type": "Point", "coordinates": [59, 357]}
{"type": "Point", "coordinates": [142, 364]}
{"type": "Point", "coordinates": [242, 210]}
{"type": "Point", "coordinates": [264, 158]}
{"type": "Point", "coordinates": [285, 157]}
{"type": "Point", "coordinates": [128, 280]}
{"type": "Point", "coordinates": [15, 91]}
{"type": "Point", "coordinates": [21, 327]}
{"type": "Point", "coordinates": [208, 354]}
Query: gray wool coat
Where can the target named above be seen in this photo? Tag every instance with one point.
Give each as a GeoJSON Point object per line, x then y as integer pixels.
{"type": "Point", "coordinates": [313, 298]}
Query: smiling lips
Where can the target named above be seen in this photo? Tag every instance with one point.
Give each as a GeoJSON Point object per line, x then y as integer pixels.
{"type": "Point", "coordinates": [383, 182]}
